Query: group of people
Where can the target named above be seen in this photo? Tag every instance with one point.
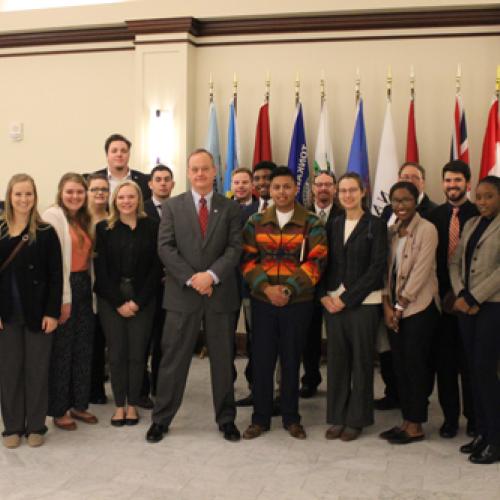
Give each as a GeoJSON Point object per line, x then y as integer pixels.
{"type": "Point", "coordinates": [117, 262]}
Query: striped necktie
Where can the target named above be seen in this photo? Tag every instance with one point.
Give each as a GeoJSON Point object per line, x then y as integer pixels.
{"type": "Point", "coordinates": [453, 232]}
{"type": "Point", "coordinates": [203, 216]}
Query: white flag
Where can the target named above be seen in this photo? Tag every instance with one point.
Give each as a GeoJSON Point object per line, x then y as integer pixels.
{"type": "Point", "coordinates": [387, 165]}
{"type": "Point", "coordinates": [323, 156]}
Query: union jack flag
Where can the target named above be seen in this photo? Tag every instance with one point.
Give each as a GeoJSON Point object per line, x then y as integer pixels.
{"type": "Point", "coordinates": [459, 145]}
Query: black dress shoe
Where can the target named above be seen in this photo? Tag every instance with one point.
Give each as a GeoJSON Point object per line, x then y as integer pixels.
{"type": "Point", "coordinates": [156, 432]}
{"type": "Point", "coordinates": [470, 430]}
{"type": "Point", "coordinates": [308, 391]}
{"type": "Point", "coordinates": [386, 403]}
{"type": "Point", "coordinates": [390, 433]}
{"type": "Point", "coordinates": [247, 401]}
{"type": "Point", "coordinates": [145, 402]}
{"type": "Point", "coordinates": [118, 422]}
{"type": "Point", "coordinates": [404, 438]}
{"type": "Point", "coordinates": [476, 445]}
{"type": "Point", "coordinates": [489, 455]}
{"type": "Point", "coordinates": [448, 430]}
{"type": "Point", "coordinates": [230, 431]}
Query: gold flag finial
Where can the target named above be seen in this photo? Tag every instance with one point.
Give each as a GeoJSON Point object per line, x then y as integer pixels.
{"type": "Point", "coordinates": [357, 87]}
{"type": "Point", "coordinates": [268, 86]}
{"type": "Point", "coordinates": [297, 89]}
{"type": "Point", "coordinates": [412, 82]}
{"type": "Point", "coordinates": [389, 83]}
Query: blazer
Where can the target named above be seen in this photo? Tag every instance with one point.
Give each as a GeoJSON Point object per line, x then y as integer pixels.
{"type": "Point", "coordinates": [147, 269]}
{"type": "Point", "coordinates": [184, 252]}
{"type": "Point", "coordinates": [440, 217]}
{"type": "Point", "coordinates": [424, 208]}
{"type": "Point", "coordinates": [54, 215]}
{"type": "Point", "coordinates": [484, 276]}
{"type": "Point", "coordinates": [151, 211]}
{"type": "Point", "coordinates": [248, 210]}
{"type": "Point", "coordinates": [416, 279]}
{"type": "Point", "coordinates": [141, 179]}
{"type": "Point", "coordinates": [39, 274]}
{"type": "Point", "coordinates": [359, 263]}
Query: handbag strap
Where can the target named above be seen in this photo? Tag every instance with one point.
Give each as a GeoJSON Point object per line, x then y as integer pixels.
{"type": "Point", "coordinates": [14, 252]}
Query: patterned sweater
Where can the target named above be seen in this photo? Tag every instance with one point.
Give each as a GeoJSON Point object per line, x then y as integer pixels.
{"type": "Point", "coordinates": [294, 256]}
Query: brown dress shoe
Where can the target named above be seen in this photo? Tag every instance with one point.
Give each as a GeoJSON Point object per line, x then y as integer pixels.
{"type": "Point", "coordinates": [334, 432]}
{"type": "Point", "coordinates": [253, 431]}
{"type": "Point", "coordinates": [65, 426]}
{"type": "Point", "coordinates": [88, 418]}
{"type": "Point", "coordinates": [350, 434]}
{"type": "Point", "coordinates": [296, 431]}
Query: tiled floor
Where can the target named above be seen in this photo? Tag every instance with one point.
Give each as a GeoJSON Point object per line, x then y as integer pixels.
{"type": "Point", "coordinates": [194, 462]}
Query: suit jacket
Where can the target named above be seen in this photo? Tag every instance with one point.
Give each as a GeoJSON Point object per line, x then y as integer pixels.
{"type": "Point", "coordinates": [39, 275]}
{"type": "Point", "coordinates": [424, 208]}
{"type": "Point", "coordinates": [484, 275]}
{"type": "Point", "coordinates": [416, 278]}
{"type": "Point", "coordinates": [440, 217]}
{"type": "Point", "coordinates": [151, 211]}
{"type": "Point", "coordinates": [138, 177]}
{"type": "Point", "coordinates": [359, 263]}
{"type": "Point", "coordinates": [248, 210]}
{"type": "Point", "coordinates": [184, 252]}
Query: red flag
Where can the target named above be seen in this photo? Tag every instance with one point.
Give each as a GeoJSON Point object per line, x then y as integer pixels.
{"type": "Point", "coordinates": [411, 136]}
{"type": "Point", "coordinates": [262, 149]}
{"type": "Point", "coordinates": [490, 160]}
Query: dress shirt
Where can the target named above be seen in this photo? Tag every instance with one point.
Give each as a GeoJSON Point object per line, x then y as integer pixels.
{"type": "Point", "coordinates": [157, 204]}
{"type": "Point", "coordinates": [270, 203]}
{"type": "Point", "coordinates": [114, 181]}
{"type": "Point", "coordinates": [327, 210]}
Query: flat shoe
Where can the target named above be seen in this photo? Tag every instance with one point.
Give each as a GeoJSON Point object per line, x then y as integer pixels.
{"type": "Point", "coordinates": [35, 440]}
{"type": "Point", "coordinates": [118, 422]}
{"type": "Point", "coordinates": [334, 432]}
{"type": "Point", "coordinates": [65, 426]}
{"type": "Point", "coordinates": [88, 419]}
{"type": "Point", "coordinates": [404, 438]}
{"type": "Point", "coordinates": [350, 434]}
{"type": "Point", "coordinates": [296, 431]}
{"type": "Point", "coordinates": [12, 441]}
{"type": "Point", "coordinates": [131, 421]}
{"type": "Point", "coordinates": [390, 433]}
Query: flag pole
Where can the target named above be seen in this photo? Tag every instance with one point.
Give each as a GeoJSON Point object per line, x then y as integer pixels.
{"type": "Point", "coordinates": [412, 83]}
{"type": "Point", "coordinates": [357, 88]}
{"type": "Point", "coordinates": [458, 79]}
{"type": "Point", "coordinates": [211, 89]}
{"type": "Point", "coordinates": [389, 84]}
{"type": "Point", "coordinates": [497, 86]}
{"type": "Point", "coordinates": [297, 90]}
{"type": "Point", "coordinates": [322, 88]}
{"type": "Point", "coordinates": [235, 93]}
{"type": "Point", "coordinates": [268, 87]}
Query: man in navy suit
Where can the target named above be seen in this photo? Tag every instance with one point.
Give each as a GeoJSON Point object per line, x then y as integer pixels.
{"type": "Point", "coordinates": [161, 183]}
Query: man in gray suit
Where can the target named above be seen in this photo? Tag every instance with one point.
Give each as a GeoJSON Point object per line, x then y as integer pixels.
{"type": "Point", "coordinates": [199, 243]}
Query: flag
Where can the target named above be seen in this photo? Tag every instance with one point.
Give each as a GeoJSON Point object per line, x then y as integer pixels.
{"type": "Point", "coordinates": [411, 135]}
{"type": "Point", "coordinates": [459, 145]}
{"type": "Point", "coordinates": [387, 164]}
{"type": "Point", "coordinates": [358, 155]}
{"type": "Point", "coordinates": [323, 156]}
{"type": "Point", "coordinates": [262, 149]}
{"type": "Point", "coordinates": [490, 159]}
{"type": "Point", "coordinates": [297, 158]}
{"type": "Point", "coordinates": [233, 148]}
{"type": "Point", "coordinates": [212, 145]}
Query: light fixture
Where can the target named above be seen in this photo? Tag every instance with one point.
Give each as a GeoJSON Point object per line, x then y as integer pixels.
{"type": "Point", "coordinates": [161, 137]}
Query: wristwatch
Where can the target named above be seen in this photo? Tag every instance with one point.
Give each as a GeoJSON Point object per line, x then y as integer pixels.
{"type": "Point", "coordinates": [286, 291]}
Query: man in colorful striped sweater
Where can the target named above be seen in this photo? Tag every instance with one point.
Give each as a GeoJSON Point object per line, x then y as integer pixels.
{"type": "Point", "coordinates": [284, 254]}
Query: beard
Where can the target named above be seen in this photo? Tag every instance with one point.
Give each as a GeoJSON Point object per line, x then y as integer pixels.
{"type": "Point", "coordinates": [455, 195]}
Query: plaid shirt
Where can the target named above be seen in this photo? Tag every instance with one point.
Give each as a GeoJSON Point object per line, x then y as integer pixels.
{"type": "Point", "coordinates": [294, 255]}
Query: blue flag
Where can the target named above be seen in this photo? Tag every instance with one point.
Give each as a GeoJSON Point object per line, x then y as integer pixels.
{"type": "Point", "coordinates": [212, 145]}
{"type": "Point", "coordinates": [232, 155]}
{"type": "Point", "coordinates": [297, 158]}
{"type": "Point", "coordinates": [358, 156]}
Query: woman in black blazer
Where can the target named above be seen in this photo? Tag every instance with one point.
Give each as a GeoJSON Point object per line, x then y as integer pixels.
{"type": "Point", "coordinates": [128, 273]}
{"type": "Point", "coordinates": [351, 293]}
{"type": "Point", "coordinates": [31, 291]}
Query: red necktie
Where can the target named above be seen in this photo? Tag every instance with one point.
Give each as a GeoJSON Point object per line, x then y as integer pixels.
{"type": "Point", "coordinates": [203, 216]}
{"type": "Point", "coordinates": [453, 232]}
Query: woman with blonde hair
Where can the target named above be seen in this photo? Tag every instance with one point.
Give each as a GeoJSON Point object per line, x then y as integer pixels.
{"type": "Point", "coordinates": [128, 274]}
{"type": "Point", "coordinates": [69, 384]}
{"type": "Point", "coordinates": [31, 291]}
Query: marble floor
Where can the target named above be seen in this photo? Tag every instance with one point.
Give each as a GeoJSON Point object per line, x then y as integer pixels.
{"type": "Point", "coordinates": [194, 462]}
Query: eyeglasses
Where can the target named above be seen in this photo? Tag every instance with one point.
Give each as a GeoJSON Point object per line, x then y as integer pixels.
{"type": "Point", "coordinates": [320, 185]}
{"type": "Point", "coordinates": [349, 191]}
{"type": "Point", "coordinates": [99, 190]}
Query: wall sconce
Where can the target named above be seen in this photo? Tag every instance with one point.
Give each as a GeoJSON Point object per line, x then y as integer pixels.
{"type": "Point", "coordinates": [161, 137]}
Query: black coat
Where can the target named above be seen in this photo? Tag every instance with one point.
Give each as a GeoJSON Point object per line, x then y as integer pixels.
{"type": "Point", "coordinates": [141, 179]}
{"type": "Point", "coordinates": [424, 209]}
{"type": "Point", "coordinates": [360, 264]}
{"type": "Point", "coordinates": [440, 217]}
{"type": "Point", "coordinates": [151, 211]}
{"type": "Point", "coordinates": [39, 276]}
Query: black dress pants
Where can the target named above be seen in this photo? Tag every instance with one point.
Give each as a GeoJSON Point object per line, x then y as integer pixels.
{"type": "Point", "coordinates": [482, 346]}
{"type": "Point", "coordinates": [98, 362]}
{"type": "Point", "coordinates": [411, 350]}
{"type": "Point", "coordinates": [277, 331]}
{"type": "Point", "coordinates": [311, 356]}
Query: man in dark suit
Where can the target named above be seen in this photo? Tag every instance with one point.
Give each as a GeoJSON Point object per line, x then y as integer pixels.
{"type": "Point", "coordinates": [324, 190]}
{"type": "Point", "coordinates": [414, 173]}
{"type": "Point", "coordinates": [161, 184]}
{"type": "Point", "coordinates": [449, 356]}
{"type": "Point", "coordinates": [200, 244]}
{"type": "Point", "coordinates": [117, 148]}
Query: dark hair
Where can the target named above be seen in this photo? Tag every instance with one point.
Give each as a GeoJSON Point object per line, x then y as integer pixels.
{"type": "Point", "coordinates": [282, 171]}
{"type": "Point", "coordinates": [412, 164]}
{"type": "Point", "coordinates": [405, 185]}
{"type": "Point", "coordinates": [359, 180]}
{"type": "Point", "coordinates": [198, 151]}
{"type": "Point", "coordinates": [160, 168]}
{"type": "Point", "coordinates": [116, 137]}
{"type": "Point", "coordinates": [458, 167]}
{"type": "Point", "coordinates": [264, 165]}
{"type": "Point", "coordinates": [493, 180]}
{"type": "Point", "coordinates": [96, 177]}
{"type": "Point", "coordinates": [327, 172]}
{"type": "Point", "coordinates": [242, 170]}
